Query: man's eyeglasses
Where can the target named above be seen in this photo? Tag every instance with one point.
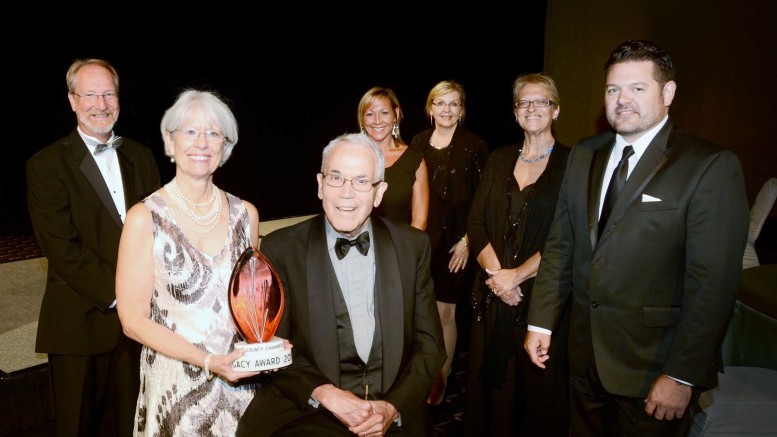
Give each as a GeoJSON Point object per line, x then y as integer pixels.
{"type": "Point", "coordinates": [358, 184]}
{"type": "Point", "coordinates": [92, 97]}
{"type": "Point", "coordinates": [211, 136]}
{"type": "Point", "coordinates": [538, 103]}
{"type": "Point", "coordinates": [453, 105]}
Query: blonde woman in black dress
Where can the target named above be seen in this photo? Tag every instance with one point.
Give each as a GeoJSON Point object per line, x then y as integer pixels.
{"type": "Point", "coordinates": [407, 198]}
{"type": "Point", "coordinates": [455, 157]}
{"type": "Point", "coordinates": [508, 224]}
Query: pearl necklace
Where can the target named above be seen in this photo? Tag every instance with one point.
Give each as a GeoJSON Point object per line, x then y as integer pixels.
{"type": "Point", "coordinates": [539, 158]}
{"type": "Point", "coordinates": [209, 220]}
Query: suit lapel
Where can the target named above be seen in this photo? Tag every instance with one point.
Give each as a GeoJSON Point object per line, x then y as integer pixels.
{"type": "Point", "coordinates": [88, 167]}
{"type": "Point", "coordinates": [654, 158]}
{"type": "Point", "coordinates": [389, 296]}
{"type": "Point", "coordinates": [595, 181]}
{"type": "Point", "coordinates": [321, 309]}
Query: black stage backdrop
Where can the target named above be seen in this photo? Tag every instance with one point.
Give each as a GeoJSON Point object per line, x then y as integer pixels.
{"type": "Point", "coordinates": [290, 99]}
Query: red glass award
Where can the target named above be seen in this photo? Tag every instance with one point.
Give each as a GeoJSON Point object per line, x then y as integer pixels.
{"type": "Point", "coordinates": [256, 304]}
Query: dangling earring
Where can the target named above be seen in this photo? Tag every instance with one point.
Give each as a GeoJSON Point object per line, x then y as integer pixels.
{"type": "Point", "coordinates": [172, 159]}
{"type": "Point", "coordinates": [395, 130]}
{"type": "Point", "coordinates": [431, 120]}
{"type": "Point", "coordinates": [459, 120]}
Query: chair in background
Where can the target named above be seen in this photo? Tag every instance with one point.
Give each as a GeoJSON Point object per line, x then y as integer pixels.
{"type": "Point", "coordinates": [762, 212]}
{"type": "Point", "coordinates": [745, 402]}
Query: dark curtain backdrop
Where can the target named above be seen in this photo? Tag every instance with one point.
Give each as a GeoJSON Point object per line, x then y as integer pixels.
{"type": "Point", "coordinates": [723, 52]}
{"type": "Point", "coordinates": [291, 92]}
{"type": "Point", "coordinates": [296, 88]}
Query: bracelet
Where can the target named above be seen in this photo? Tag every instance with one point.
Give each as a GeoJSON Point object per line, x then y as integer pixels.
{"type": "Point", "coordinates": [464, 240]}
{"type": "Point", "coordinates": [208, 374]}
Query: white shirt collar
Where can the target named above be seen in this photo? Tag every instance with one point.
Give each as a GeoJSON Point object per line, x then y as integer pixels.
{"type": "Point", "coordinates": [640, 145]}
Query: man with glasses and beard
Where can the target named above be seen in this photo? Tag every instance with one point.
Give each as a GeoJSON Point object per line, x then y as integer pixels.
{"type": "Point", "coordinates": [78, 192]}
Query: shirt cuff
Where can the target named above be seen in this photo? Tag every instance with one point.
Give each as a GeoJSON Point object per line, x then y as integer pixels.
{"type": "Point", "coordinates": [680, 381]}
{"type": "Point", "coordinates": [540, 330]}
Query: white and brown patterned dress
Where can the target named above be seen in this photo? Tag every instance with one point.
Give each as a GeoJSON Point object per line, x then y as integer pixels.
{"type": "Point", "coordinates": [190, 298]}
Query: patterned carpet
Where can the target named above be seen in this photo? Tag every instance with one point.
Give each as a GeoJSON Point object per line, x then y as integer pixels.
{"type": "Point", "coordinates": [447, 418]}
{"type": "Point", "coordinates": [18, 248]}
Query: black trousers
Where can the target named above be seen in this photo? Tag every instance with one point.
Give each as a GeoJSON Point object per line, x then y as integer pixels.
{"type": "Point", "coordinates": [96, 395]}
{"type": "Point", "coordinates": [596, 412]}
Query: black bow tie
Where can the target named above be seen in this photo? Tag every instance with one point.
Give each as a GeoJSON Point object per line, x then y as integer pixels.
{"type": "Point", "coordinates": [99, 148]}
{"type": "Point", "coordinates": [362, 243]}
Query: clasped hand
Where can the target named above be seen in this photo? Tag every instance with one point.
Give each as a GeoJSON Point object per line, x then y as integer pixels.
{"type": "Point", "coordinates": [503, 284]}
{"type": "Point", "coordinates": [362, 417]}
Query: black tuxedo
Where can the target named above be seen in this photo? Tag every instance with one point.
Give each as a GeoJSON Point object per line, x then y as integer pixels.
{"type": "Point", "coordinates": [654, 293]}
{"type": "Point", "coordinates": [78, 228]}
{"type": "Point", "coordinates": [413, 352]}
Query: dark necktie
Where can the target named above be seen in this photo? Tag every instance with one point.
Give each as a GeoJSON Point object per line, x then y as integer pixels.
{"type": "Point", "coordinates": [617, 181]}
{"type": "Point", "coordinates": [99, 148]}
{"type": "Point", "coordinates": [343, 245]}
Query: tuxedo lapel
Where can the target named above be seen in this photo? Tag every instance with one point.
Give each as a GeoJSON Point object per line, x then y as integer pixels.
{"type": "Point", "coordinates": [389, 296]}
{"type": "Point", "coordinates": [88, 167]}
{"type": "Point", "coordinates": [595, 181]}
{"type": "Point", "coordinates": [320, 295]}
{"type": "Point", "coordinates": [127, 167]}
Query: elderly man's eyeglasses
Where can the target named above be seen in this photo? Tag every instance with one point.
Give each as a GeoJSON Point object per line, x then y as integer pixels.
{"type": "Point", "coordinates": [453, 105]}
{"type": "Point", "coordinates": [358, 184]}
{"type": "Point", "coordinates": [538, 103]}
{"type": "Point", "coordinates": [211, 136]}
{"type": "Point", "coordinates": [92, 97]}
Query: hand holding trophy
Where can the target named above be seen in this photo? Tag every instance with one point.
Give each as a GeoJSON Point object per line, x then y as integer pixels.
{"type": "Point", "coordinates": [256, 304]}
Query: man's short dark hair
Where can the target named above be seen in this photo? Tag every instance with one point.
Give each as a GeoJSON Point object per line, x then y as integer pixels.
{"type": "Point", "coordinates": [643, 50]}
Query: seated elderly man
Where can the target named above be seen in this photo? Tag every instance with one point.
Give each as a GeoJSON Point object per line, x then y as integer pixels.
{"type": "Point", "coordinates": [363, 320]}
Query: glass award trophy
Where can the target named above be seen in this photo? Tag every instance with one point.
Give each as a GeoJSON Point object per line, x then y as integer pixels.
{"type": "Point", "coordinates": [256, 304]}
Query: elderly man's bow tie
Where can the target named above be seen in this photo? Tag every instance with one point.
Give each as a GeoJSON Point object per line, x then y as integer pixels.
{"type": "Point", "coordinates": [115, 144]}
{"type": "Point", "coordinates": [362, 243]}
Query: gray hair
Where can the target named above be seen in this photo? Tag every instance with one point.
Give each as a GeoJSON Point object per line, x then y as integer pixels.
{"type": "Point", "coordinates": [360, 139]}
{"type": "Point", "coordinates": [71, 77]}
{"type": "Point", "coordinates": [214, 108]}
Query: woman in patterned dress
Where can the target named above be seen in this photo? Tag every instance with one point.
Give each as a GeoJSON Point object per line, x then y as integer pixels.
{"type": "Point", "coordinates": [177, 251]}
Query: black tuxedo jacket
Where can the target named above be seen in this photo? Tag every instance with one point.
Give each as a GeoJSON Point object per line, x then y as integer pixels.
{"type": "Point", "coordinates": [653, 295]}
{"type": "Point", "coordinates": [78, 228]}
{"type": "Point", "coordinates": [413, 351]}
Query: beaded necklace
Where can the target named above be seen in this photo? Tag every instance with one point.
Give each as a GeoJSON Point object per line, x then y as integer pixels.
{"type": "Point", "coordinates": [436, 147]}
{"type": "Point", "coordinates": [539, 158]}
{"type": "Point", "coordinates": [206, 221]}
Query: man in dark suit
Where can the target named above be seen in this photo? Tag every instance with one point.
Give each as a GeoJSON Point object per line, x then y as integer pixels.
{"type": "Point", "coordinates": [364, 325]}
{"type": "Point", "coordinates": [652, 287]}
{"type": "Point", "coordinates": [78, 191]}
